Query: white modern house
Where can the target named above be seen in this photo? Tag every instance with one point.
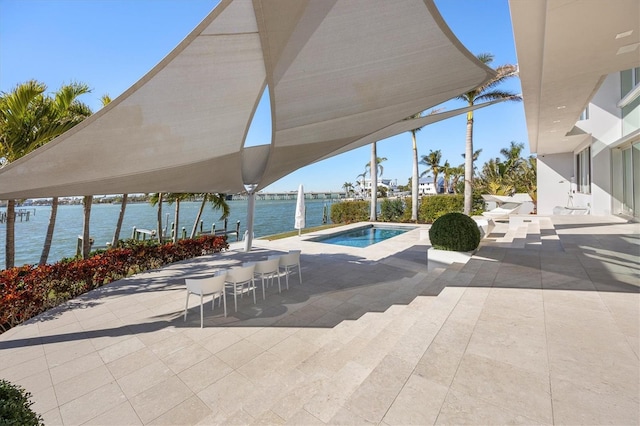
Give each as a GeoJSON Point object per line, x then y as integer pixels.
{"type": "Point", "coordinates": [426, 186]}
{"type": "Point", "coordinates": [580, 72]}
{"type": "Point", "coordinates": [390, 184]}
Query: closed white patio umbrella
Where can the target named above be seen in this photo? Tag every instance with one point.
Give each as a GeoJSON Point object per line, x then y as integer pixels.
{"type": "Point", "coordinates": [300, 212]}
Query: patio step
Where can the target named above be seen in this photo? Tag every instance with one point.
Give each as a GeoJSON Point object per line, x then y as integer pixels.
{"type": "Point", "coordinates": [401, 334]}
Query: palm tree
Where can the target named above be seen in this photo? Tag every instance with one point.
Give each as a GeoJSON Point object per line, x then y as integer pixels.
{"type": "Point", "coordinates": [28, 120]}
{"type": "Point", "coordinates": [446, 171]}
{"type": "Point", "coordinates": [456, 174]}
{"type": "Point", "coordinates": [87, 202]}
{"type": "Point", "coordinates": [348, 188]}
{"type": "Point", "coordinates": [512, 156]}
{"type": "Point", "coordinates": [218, 202]}
{"type": "Point", "coordinates": [66, 104]}
{"type": "Point", "coordinates": [374, 167]}
{"type": "Point", "coordinates": [486, 92]}
{"type": "Point", "coordinates": [433, 161]}
{"type": "Point", "coordinates": [156, 199]}
{"type": "Point", "coordinates": [414, 174]}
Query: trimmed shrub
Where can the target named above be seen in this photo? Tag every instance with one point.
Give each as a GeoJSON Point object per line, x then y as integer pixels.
{"type": "Point", "coordinates": [454, 232]}
{"type": "Point", "coordinates": [434, 206]}
{"type": "Point", "coordinates": [15, 406]}
{"type": "Point", "coordinates": [391, 210]}
{"type": "Point", "coordinates": [350, 211]}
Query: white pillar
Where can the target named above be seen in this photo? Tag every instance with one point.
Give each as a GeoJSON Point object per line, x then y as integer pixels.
{"type": "Point", "coordinates": [251, 203]}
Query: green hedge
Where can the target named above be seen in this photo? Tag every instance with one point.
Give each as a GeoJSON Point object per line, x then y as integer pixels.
{"type": "Point", "coordinates": [392, 210]}
{"type": "Point", "coordinates": [434, 206]}
{"type": "Point", "coordinates": [350, 211]}
{"type": "Point", "coordinates": [15, 406]}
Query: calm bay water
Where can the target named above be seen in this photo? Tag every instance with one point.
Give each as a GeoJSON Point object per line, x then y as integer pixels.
{"type": "Point", "coordinates": [271, 217]}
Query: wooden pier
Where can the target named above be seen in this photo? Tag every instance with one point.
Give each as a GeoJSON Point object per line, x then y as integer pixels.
{"type": "Point", "coordinates": [22, 214]}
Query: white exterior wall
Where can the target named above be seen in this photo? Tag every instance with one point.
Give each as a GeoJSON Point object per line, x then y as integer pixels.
{"type": "Point", "coordinates": [604, 126]}
{"type": "Point", "coordinates": [552, 169]}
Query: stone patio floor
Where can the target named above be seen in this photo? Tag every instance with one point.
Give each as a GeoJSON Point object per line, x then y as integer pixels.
{"type": "Point", "coordinates": [541, 326]}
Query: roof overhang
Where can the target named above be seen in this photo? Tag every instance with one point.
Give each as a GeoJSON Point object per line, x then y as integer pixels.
{"type": "Point", "coordinates": [565, 50]}
{"type": "Point", "coordinates": [337, 71]}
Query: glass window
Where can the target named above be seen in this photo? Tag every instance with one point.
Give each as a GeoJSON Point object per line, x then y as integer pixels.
{"type": "Point", "coordinates": [583, 171]}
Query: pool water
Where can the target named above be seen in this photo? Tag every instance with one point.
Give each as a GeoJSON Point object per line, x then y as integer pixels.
{"type": "Point", "coordinates": [362, 237]}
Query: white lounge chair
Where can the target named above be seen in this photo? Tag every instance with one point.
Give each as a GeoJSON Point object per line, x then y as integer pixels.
{"type": "Point", "coordinates": [503, 211]}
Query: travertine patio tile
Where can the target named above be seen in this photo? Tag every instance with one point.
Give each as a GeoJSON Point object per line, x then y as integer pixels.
{"type": "Point", "coordinates": [59, 353]}
{"type": "Point", "coordinates": [205, 373]}
{"type": "Point", "coordinates": [292, 399]}
{"type": "Point", "coordinates": [460, 408]}
{"type": "Point", "coordinates": [93, 404]}
{"type": "Point", "coordinates": [44, 399]}
{"type": "Point", "coordinates": [174, 343]}
{"type": "Point", "coordinates": [376, 394]}
{"type": "Point", "coordinates": [293, 350]}
{"type": "Point", "coordinates": [303, 417]}
{"type": "Point", "coordinates": [186, 357]}
{"type": "Point", "coordinates": [51, 417]}
{"type": "Point", "coordinates": [239, 353]}
{"type": "Point", "coordinates": [75, 367]}
{"type": "Point", "coordinates": [228, 394]}
{"type": "Point", "coordinates": [120, 349]}
{"type": "Point", "coordinates": [418, 403]}
{"type": "Point", "coordinates": [82, 384]}
{"type": "Point", "coordinates": [575, 404]}
{"type": "Point", "coordinates": [332, 395]}
{"type": "Point", "coordinates": [160, 398]}
{"type": "Point", "coordinates": [144, 378]}
{"type": "Point", "coordinates": [189, 412]}
{"type": "Point", "coordinates": [440, 361]}
{"type": "Point", "coordinates": [345, 416]}
{"type": "Point", "coordinates": [132, 362]}
{"type": "Point", "coordinates": [502, 384]}
{"type": "Point", "coordinates": [221, 341]}
{"type": "Point", "coordinates": [122, 414]}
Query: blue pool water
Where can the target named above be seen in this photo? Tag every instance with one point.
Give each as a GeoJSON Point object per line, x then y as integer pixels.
{"type": "Point", "coordinates": [362, 237]}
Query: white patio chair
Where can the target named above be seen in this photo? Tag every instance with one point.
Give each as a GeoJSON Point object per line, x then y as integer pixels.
{"type": "Point", "coordinates": [239, 277]}
{"type": "Point", "coordinates": [268, 269]}
{"type": "Point", "coordinates": [204, 287]}
{"type": "Point", "coordinates": [289, 262]}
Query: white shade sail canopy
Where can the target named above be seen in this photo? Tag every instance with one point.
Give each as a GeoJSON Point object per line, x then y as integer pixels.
{"type": "Point", "coordinates": [337, 71]}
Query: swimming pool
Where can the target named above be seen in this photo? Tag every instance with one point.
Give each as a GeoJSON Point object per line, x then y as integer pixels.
{"type": "Point", "coordinates": [363, 236]}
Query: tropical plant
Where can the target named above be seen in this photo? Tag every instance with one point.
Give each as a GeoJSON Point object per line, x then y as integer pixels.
{"type": "Point", "coordinates": [348, 188]}
{"type": "Point", "coordinates": [455, 232]}
{"type": "Point", "coordinates": [15, 406]}
{"type": "Point", "coordinates": [434, 206]}
{"type": "Point", "coordinates": [28, 120]}
{"type": "Point", "coordinates": [391, 210]}
{"type": "Point", "coordinates": [156, 199]}
{"type": "Point", "coordinates": [486, 92]}
{"type": "Point", "coordinates": [218, 202]}
{"type": "Point", "coordinates": [456, 174]}
{"type": "Point", "coordinates": [433, 161]}
{"type": "Point", "coordinates": [349, 211]}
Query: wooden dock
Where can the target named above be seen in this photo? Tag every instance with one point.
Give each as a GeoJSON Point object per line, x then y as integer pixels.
{"type": "Point", "coordinates": [22, 214]}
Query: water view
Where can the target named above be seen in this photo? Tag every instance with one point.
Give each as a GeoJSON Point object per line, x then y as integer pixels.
{"type": "Point", "coordinates": [271, 217]}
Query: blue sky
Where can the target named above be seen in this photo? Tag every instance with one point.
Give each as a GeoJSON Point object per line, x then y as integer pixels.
{"type": "Point", "coordinates": [110, 44]}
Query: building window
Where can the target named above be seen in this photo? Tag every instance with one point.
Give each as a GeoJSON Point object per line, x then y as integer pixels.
{"type": "Point", "coordinates": [629, 79]}
{"type": "Point", "coordinates": [585, 114]}
{"type": "Point", "coordinates": [583, 171]}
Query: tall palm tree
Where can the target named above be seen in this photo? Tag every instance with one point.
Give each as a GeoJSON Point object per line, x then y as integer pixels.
{"type": "Point", "coordinates": [348, 188]}
{"type": "Point", "coordinates": [156, 199]}
{"type": "Point", "coordinates": [486, 92]}
{"type": "Point", "coordinates": [218, 202]}
{"type": "Point", "coordinates": [414, 171]}
{"type": "Point", "coordinates": [433, 161]}
{"type": "Point", "coordinates": [456, 174]}
{"type": "Point", "coordinates": [446, 172]}
{"type": "Point", "coordinates": [87, 203]}
{"type": "Point", "coordinates": [28, 120]}
{"type": "Point", "coordinates": [375, 168]}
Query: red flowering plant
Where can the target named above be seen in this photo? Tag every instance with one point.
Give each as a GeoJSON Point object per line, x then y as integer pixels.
{"type": "Point", "coordinates": [28, 290]}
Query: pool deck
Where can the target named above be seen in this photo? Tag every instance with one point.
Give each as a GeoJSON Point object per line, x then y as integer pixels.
{"type": "Point", "coordinates": [540, 326]}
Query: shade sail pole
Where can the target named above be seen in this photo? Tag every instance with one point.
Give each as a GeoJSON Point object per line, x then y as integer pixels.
{"type": "Point", "coordinates": [251, 204]}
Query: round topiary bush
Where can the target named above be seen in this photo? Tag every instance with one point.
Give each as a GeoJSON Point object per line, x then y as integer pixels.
{"type": "Point", "coordinates": [15, 406]}
{"type": "Point", "coordinates": [454, 232]}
